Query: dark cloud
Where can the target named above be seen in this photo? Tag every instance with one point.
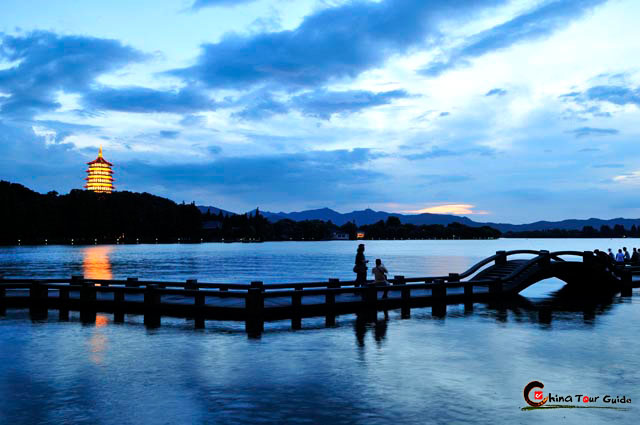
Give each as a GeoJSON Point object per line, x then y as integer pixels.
{"type": "Point", "coordinates": [537, 23]}
{"type": "Point", "coordinates": [199, 4]}
{"type": "Point", "coordinates": [591, 131]}
{"type": "Point", "coordinates": [618, 95]}
{"type": "Point", "coordinates": [317, 175]}
{"type": "Point", "coordinates": [436, 152]}
{"type": "Point", "coordinates": [324, 103]}
{"type": "Point", "coordinates": [321, 103]}
{"type": "Point", "coordinates": [145, 100]}
{"type": "Point", "coordinates": [45, 63]}
{"type": "Point", "coordinates": [169, 134]}
{"type": "Point", "coordinates": [496, 92]}
{"type": "Point", "coordinates": [26, 158]}
{"type": "Point", "coordinates": [337, 42]}
{"type": "Point", "coordinates": [258, 105]}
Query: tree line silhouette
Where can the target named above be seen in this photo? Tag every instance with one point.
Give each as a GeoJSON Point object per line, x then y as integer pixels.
{"type": "Point", "coordinates": [82, 217]}
{"type": "Point", "coordinates": [85, 217]}
{"type": "Point", "coordinates": [618, 231]}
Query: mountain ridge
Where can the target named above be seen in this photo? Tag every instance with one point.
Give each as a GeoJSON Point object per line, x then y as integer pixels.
{"type": "Point", "coordinates": [369, 216]}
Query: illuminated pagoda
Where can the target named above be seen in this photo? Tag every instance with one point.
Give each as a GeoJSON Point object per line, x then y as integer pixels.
{"type": "Point", "coordinates": [99, 175]}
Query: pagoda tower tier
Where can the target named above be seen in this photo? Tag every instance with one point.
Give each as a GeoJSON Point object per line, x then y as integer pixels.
{"type": "Point", "coordinates": [100, 175]}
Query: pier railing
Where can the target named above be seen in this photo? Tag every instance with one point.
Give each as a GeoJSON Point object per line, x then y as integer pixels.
{"type": "Point", "coordinates": [254, 303]}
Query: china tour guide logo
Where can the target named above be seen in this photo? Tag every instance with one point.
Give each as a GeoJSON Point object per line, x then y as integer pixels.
{"type": "Point", "coordinates": [535, 398]}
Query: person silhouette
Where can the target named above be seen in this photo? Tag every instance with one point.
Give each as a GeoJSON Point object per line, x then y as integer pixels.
{"type": "Point", "coordinates": [380, 274]}
{"type": "Point", "coordinates": [360, 267]}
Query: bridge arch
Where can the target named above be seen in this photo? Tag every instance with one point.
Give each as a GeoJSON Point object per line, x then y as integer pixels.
{"type": "Point", "coordinates": [592, 270]}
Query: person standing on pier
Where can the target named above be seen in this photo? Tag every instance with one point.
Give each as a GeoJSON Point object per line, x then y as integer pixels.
{"type": "Point", "coordinates": [361, 267]}
{"type": "Point", "coordinates": [620, 257]}
{"type": "Point", "coordinates": [635, 257]}
{"type": "Point", "coordinates": [613, 257]}
{"type": "Point", "coordinates": [380, 274]}
{"type": "Point", "coordinates": [627, 257]}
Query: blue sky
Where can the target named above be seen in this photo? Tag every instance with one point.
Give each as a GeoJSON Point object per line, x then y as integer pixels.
{"type": "Point", "coordinates": [500, 110]}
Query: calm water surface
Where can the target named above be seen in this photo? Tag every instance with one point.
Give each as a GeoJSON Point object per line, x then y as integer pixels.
{"type": "Point", "coordinates": [469, 367]}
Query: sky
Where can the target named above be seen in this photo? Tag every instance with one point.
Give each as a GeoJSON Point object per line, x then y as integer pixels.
{"type": "Point", "coordinates": [511, 111]}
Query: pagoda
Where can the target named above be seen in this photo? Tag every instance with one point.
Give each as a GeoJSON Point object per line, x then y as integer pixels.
{"type": "Point", "coordinates": [99, 175]}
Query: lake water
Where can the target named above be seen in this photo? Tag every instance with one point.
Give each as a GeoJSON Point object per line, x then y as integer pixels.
{"type": "Point", "coordinates": [468, 367]}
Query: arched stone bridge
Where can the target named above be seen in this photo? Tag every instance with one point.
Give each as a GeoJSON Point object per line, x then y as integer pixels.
{"type": "Point", "coordinates": [588, 269]}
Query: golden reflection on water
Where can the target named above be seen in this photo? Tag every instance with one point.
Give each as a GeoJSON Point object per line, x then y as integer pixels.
{"type": "Point", "coordinates": [99, 340]}
{"type": "Point", "coordinates": [96, 263]}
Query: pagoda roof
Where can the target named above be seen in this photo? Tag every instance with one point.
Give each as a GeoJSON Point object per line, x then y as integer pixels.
{"type": "Point", "coordinates": [100, 159]}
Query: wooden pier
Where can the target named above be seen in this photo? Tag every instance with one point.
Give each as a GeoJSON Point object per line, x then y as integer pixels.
{"type": "Point", "coordinates": [254, 303]}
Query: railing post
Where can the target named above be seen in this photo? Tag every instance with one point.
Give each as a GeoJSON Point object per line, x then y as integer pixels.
{"type": "Point", "coordinates": [151, 306]}
{"type": "Point", "coordinates": [254, 322]}
{"type": "Point", "coordinates": [495, 287]}
{"type": "Point", "coordinates": [199, 310]}
{"type": "Point", "coordinates": [192, 284]}
{"type": "Point", "coordinates": [405, 297]}
{"type": "Point", "coordinates": [3, 301]}
{"type": "Point", "coordinates": [438, 298]}
{"type": "Point", "coordinates": [132, 282]}
{"type": "Point", "coordinates": [87, 300]}
{"type": "Point", "coordinates": [626, 289]}
{"type": "Point", "coordinates": [118, 305]}
{"type": "Point", "coordinates": [501, 257]}
{"type": "Point", "coordinates": [369, 302]}
{"type": "Point", "coordinates": [63, 304]}
{"type": "Point", "coordinates": [330, 301]}
{"type": "Point", "coordinates": [546, 258]}
{"type": "Point", "coordinates": [38, 294]}
{"type": "Point", "coordinates": [296, 303]}
{"type": "Point", "coordinates": [454, 277]}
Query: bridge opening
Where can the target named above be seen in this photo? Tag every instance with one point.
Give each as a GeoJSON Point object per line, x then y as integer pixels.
{"type": "Point", "coordinates": [543, 289]}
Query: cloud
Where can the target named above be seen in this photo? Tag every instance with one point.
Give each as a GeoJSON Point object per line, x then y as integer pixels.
{"type": "Point", "coordinates": [436, 152]}
{"type": "Point", "coordinates": [338, 42]}
{"type": "Point", "coordinates": [320, 103]}
{"type": "Point", "coordinates": [496, 92]}
{"type": "Point", "coordinates": [199, 4]}
{"type": "Point", "coordinates": [258, 105]}
{"type": "Point", "coordinates": [169, 134]}
{"type": "Point", "coordinates": [535, 24]}
{"type": "Point", "coordinates": [323, 103]}
{"type": "Point", "coordinates": [444, 178]}
{"type": "Point", "coordinates": [44, 63]}
{"type": "Point", "coordinates": [591, 131]}
{"type": "Point", "coordinates": [618, 95]}
{"type": "Point", "coordinates": [456, 209]}
{"type": "Point", "coordinates": [62, 130]}
{"type": "Point", "coordinates": [321, 176]}
{"type": "Point", "coordinates": [145, 100]}
{"type": "Point", "coordinates": [27, 158]}
{"type": "Point", "coordinates": [193, 121]}
{"type": "Point", "coordinates": [608, 165]}
{"type": "Point", "coordinates": [632, 178]}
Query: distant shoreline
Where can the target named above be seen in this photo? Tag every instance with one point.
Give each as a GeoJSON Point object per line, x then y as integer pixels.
{"type": "Point", "coordinates": [186, 242]}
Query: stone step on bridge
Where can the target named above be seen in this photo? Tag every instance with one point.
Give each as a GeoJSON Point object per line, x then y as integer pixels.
{"type": "Point", "coordinates": [501, 275]}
